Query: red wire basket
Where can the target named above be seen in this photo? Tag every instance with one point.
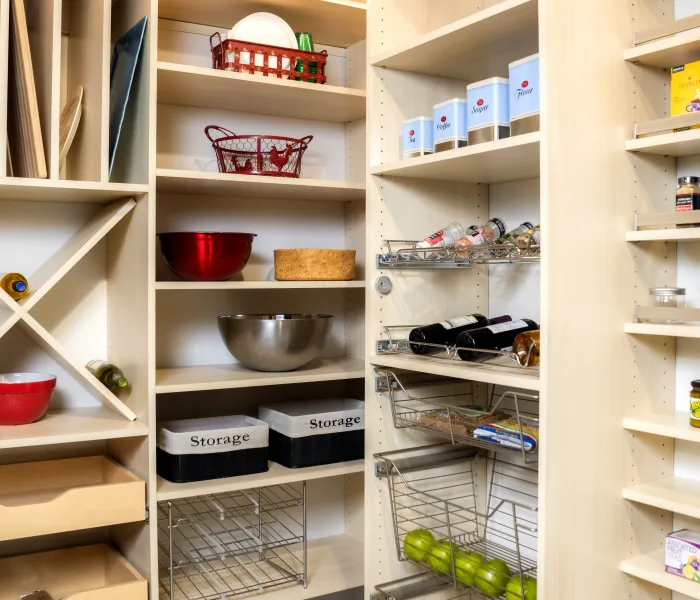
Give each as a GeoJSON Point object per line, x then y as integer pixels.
{"type": "Point", "coordinates": [247, 57]}
{"type": "Point", "coordinates": [257, 154]}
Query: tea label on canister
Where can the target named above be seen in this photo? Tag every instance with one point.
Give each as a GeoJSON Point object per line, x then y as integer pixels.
{"type": "Point", "coordinates": [417, 137]}
{"type": "Point", "coordinates": [450, 121]}
{"type": "Point", "coordinates": [524, 87]}
{"type": "Point", "coordinates": [487, 104]}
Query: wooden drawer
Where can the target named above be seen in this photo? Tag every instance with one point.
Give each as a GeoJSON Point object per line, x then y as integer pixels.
{"type": "Point", "coordinates": [54, 496]}
{"type": "Point", "coordinates": [85, 573]}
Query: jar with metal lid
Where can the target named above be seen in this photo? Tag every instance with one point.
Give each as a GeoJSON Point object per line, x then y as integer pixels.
{"type": "Point", "coordinates": [667, 297]}
{"type": "Point", "coordinates": [695, 403]}
{"type": "Point", "coordinates": [688, 197]}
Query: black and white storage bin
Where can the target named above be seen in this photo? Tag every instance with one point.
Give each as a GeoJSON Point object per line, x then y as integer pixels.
{"type": "Point", "coordinates": [315, 432]}
{"type": "Point", "coordinates": [211, 448]}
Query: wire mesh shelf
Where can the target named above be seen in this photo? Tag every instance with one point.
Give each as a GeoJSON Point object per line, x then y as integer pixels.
{"type": "Point", "coordinates": [404, 254]}
{"type": "Point", "coordinates": [458, 418]}
{"type": "Point", "coordinates": [498, 359]}
{"type": "Point", "coordinates": [224, 545]}
{"type": "Point", "coordinates": [468, 498]}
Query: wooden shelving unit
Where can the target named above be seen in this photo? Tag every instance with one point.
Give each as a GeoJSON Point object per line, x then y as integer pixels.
{"type": "Point", "coordinates": [672, 493]}
{"type": "Point", "coordinates": [681, 143]}
{"type": "Point", "coordinates": [671, 425]}
{"type": "Point", "coordinates": [691, 234]}
{"type": "Point", "coordinates": [684, 331]}
{"type": "Point", "coordinates": [257, 285]}
{"type": "Point", "coordinates": [650, 567]}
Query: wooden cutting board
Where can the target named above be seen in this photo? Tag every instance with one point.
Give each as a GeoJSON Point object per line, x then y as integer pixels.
{"type": "Point", "coordinates": [23, 125]}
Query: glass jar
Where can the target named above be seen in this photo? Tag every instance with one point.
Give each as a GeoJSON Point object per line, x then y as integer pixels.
{"type": "Point", "coordinates": [688, 197]}
{"type": "Point", "coordinates": [667, 297]}
{"type": "Point", "coordinates": [695, 403]}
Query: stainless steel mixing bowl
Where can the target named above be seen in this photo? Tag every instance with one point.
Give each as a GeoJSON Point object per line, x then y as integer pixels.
{"type": "Point", "coordinates": [274, 342]}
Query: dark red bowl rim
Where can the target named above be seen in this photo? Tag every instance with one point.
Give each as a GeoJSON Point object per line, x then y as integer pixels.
{"type": "Point", "coordinates": [226, 233]}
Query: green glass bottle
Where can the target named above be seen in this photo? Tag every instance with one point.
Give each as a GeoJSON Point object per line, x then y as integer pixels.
{"type": "Point", "coordinates": [306, 42]}
{"type": "Point", "coordinates": [108, 374]}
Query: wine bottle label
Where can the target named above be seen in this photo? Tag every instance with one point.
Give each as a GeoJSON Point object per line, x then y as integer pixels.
{"type": "Point", "coordinates": [459, 322]}
{"type": "Point", "coordinates": [501, 327]}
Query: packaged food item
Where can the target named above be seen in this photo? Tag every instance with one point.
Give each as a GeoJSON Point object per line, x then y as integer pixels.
{"type": "Point", "coordinates": [488, 117]}
{"type": "Point", "coordinates": [417, 137]}
{"type": "Point", "coordinates": [524, 85]}
{"type": "Point", "coordinates": [530, 238]}
{"type": "Point", "coordinates": [507, 433]}
{"type": "Point", "coordinates": [688, 197]}
{"type": "Point", "coordinates": [685, 91]}
{"type": "Point", "coordinates": [682, 551]}
{"type": "Point", "coordinates": [464, 419]}
{"type": "Point", "coordinates": [450, 125]}
{"type": "Point", "coordinates": [695, 403]}
{"type": "Point", "coordinates": [488, 233]}
{"type": "Point", "coordinates": [509, 238]}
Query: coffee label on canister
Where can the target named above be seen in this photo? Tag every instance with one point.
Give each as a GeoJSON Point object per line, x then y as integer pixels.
{"type": "Point", "coordinates": [450, 121]}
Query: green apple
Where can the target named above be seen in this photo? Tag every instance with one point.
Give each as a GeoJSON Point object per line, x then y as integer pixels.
{"type": "Point", "coordinates": [526, 591]}
{"type": "Point", "coordinates": [440, 556]}
{"type": "Point", "coordinates": [417, 543]}
{"type": "Point", "coordinates": [493, 577]}
{"type": "Point", "coordinates": [466, 565]}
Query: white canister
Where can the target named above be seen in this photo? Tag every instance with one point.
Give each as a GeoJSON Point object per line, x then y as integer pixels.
{"type": "Point", "coordinates": [450, 125]}
{"type": "Point", "coordinates": [488, 114]}
{"type": "Point", "coordinates": [525, 95]}
{"type": "Point", "coordinates": [417, 137]}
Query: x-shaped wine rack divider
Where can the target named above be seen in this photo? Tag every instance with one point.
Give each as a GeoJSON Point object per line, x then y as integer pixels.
{"type": "Point", "coordinates": [48, 275]}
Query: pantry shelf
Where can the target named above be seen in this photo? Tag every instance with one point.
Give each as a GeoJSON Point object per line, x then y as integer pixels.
{"type": "Point", "coordinates": [71, 426]}
{"type": "Point", "coordinates": [469, 372]}
{"type": "Point", "coordinates": [202, 87]}
{"type": "Point", "coordinates": [492, 38]}
{"type": "Point", "coordinates": [230, 376]}
{"type": "Point", "coordinates": [681, 143]}
{"type": "Point", "coordinates": [674, 425]}
{"type": "Point", "coordinates": [276, 475]}
{"type": "Point", "coordinates": [686, 331]}
{"type": "Point", "coordinates": [690, 234]}
{"type": "Point", "coordinates": [334, 22]}
{"type": "Point", "coordinates": [650, 567]}
{"type": "Point", "coordinates": [673, 494]}
{"type": "Point", "coordinates": [256, 285]}
{"type": "Point", "coordinates": [669, 52]}
{"type": "Point", "coordinates": [251, 186]}
{"type": "Point", "coordinates": [509, 159]}
{"type": "Point", "coordinates": [49, 190]}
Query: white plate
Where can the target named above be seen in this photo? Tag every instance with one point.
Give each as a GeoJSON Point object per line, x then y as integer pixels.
{"type": "Point", "coordinates": [264, 28]}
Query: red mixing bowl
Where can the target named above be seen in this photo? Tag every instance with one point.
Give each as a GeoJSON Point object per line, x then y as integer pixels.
{"type": "Point", "coordinates": [206, 255]}
{"type": "Point", "coordinates": [24, 397]}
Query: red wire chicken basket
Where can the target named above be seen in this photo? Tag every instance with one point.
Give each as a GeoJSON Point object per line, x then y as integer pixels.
{"type": "Point", "coordinates": [257, 154]}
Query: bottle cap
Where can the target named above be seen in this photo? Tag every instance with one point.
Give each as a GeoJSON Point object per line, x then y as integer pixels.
{"type": "Point", "coordinates": [695, 383]}
{"type": "Point", "coordinates": [122, 382]}
{"type": "Point", "coordinates": [688, 180]}
{"type": "Point", "coordinates": [19, 286]}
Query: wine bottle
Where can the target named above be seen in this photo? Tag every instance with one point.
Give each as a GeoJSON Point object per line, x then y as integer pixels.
{"type": "Point", "coordinates": [491, 337]}
{"type": "Point", "coordinates": [445, 333]}
{"type": "Point", "coordinates": [15, 284]}
{"type": "Point", "coordinates": [108, 374]}
{"type": "Point", "coordinates": [527, 348]}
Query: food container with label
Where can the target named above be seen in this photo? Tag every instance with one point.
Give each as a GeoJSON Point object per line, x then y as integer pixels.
{"type": "Point", "coordinates": [450, 125]}
{"type": "Point", "coordinates": [417, 137]}
{"type": "Point", "coordinates": [682, 551]}
{"type": "Point", "coordinates": [524, 95]}
{"type": "Point", "coordinates": [211, 448]}
{"type": "Point", "coordinates": [315, 432]}
{"type": "Point", "coordinates": [488, 116]}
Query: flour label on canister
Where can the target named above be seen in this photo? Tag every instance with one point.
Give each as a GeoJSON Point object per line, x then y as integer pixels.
{"type": "Point", "coordinates": [509, 326]}
{"type": "Point", "coordinates": [450, 121]}
{"type": "Point", "coordinates": [458, 322]}
{"type": "Point", "coordinates": [487, 103]}
{"type": "Point", "coordinates": [524, 87]}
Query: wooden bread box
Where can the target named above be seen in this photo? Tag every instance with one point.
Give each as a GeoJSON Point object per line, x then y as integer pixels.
{"type": "Point", "coordinates": [313, 264]}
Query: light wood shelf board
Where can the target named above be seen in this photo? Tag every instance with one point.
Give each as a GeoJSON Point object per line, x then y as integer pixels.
{"type": "Point", "coordinates": [668, 52]}
{"type": "Point", "coordinates": [687, 331]}
{"type": "Point", "coordinates": [680, 143]}
{"type": "Point", "coordinates": [8, 323]}
{"type": "Point", "coordinates": [253, 186]}
{"type": "Point", "coordinates": [276, 475]}
{"type": "Point", "coordinates": [473, 48]}
{"type": "Point", "coordinates": [674, 425]}
{"type": "Point", "coordinates": [50, 190]}
{"type": "Point", "coordinates": [482, 374]}
{"type": "Point", "coordinates": [333, 22]}
{"type": "Point", "coordinates": [71, 426]}
{"type": "Point", "coordinates": [650, 567]}
{"type": "Point", "coordinates": [674, 494]}
{"type": "Point", "coordinates": [41, 336]}
{"type": "Point", "coordinates": [510, 159]}
{"type": "Point", "coordinates": [203, 87]}
{"type": "Point", "coordinates": [230, 376]}
{"type": "Point", "coordinates": [54, 269]}
{"type": "Point", "coordinates": [687, 234]}
{"type": "Point", "coordinates": [257, 285]}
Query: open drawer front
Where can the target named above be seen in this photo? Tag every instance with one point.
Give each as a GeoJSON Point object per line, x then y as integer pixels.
{"type": "Point", "coordinates": [87, 573]}
{"type": "Point", "coordinates": [40, 498]}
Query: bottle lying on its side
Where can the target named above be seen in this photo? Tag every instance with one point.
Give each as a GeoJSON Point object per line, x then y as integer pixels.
{"type": "Point", "coordinates": [498, 337]}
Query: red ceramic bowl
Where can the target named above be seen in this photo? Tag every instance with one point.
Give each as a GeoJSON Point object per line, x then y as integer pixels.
{"type": "Point", "coordinates": [206, 256]}
{"type": "Point", "coordinates": [24, 397]}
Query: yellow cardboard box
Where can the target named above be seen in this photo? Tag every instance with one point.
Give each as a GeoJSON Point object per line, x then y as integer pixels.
{"type": "Point", "coordinates": [685, 90]}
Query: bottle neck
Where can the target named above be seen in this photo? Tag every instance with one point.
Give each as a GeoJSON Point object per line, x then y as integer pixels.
{"type": "Point", "coordinates": [116, 380]}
